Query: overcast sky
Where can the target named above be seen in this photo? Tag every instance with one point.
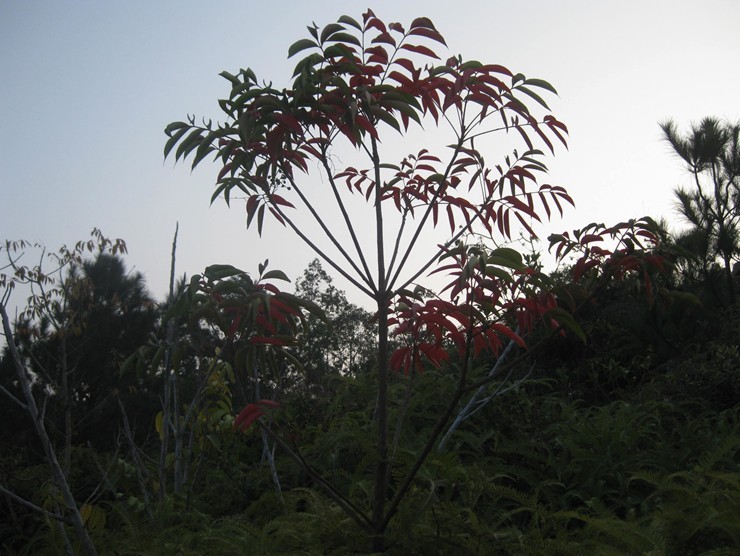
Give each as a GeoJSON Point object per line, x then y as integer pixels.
{"type": "Point", "coordinates": [87, 87]}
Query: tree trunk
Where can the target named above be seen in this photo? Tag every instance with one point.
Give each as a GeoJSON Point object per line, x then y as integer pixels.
{"type": "Point", "coordinates": [382, 298]}
{"type": "Point", "coordinates": [58, 475]}
{"type": "Point", "coordinates": [381, 474]}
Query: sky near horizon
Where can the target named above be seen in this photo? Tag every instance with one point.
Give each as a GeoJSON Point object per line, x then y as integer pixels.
{"type": "Point", "coordinates": [87, 87]}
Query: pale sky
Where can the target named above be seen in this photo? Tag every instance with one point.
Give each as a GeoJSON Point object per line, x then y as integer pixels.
{"type": "Point", "coordinates": [87, 87]}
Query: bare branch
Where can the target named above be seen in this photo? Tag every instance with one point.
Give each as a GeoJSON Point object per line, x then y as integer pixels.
{"type": "Point", "coordinates": [34, 507]}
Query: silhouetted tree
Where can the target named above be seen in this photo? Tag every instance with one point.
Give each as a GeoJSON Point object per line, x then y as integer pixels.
{"type": "Point", "coordinates": [76, 351]}
{"type": "Point", "coordinates": [342, 344]}
{"type": "Point", "coordinates": [711, 151]}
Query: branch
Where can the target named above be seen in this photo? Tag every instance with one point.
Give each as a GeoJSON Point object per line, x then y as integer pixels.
{"type": "Point", "coordinates": [350, 509]}
{"type": "Point", "coordinates": [399, 235]}
{"type": "Point", "coordinates": [350, 227]}
{"type": "Point", "coordinates": [468, 410]}
{"type": "Point", "coordinates": [141, 473]}
{"type": "Point", "coordinates": [13, 398]}
{"type": "Point", "coordinates": [323, 255]}
{"type": "Point", "coordinates": [34, 507]}
{"type": "Point", "coordinates": [436, 255]}
{"type": "Point", "coordinates": [421, 458]}
{"type": "Point", "coordinates": [424, 218]}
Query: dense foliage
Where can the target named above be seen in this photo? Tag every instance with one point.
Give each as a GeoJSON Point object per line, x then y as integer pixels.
{"type": "Point", "coordinates": [510, 411]}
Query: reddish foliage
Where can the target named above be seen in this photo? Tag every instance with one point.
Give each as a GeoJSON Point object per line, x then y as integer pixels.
{"type": "Point", "coordinates": [251, 412]}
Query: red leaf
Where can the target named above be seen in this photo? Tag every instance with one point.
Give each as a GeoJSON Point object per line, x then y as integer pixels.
{"type": "Point", "coordinates": [435, 354]}
{"type": "Point", "coordinates": [495, 68]}
{"type": "Point", "coordinates": [401, 78]}
{"type": "Point", "coordinates": [234, 325]}
{"type": "Point", "coordinates": [386, 38]}
{"type": "Point", "coordinates": [367, 125]}
{"type": "Point", "coordinates": [247, 417]}
{"type": "Point", "coordinates": [588, 238]}
{"type": "Point", "coordinates": [427, 32]}
{"type": "Point", "coordinates": [251, 413]}
{"type": "Point", "coordinates": [526, 225]}
{"type": "Point", "coordinates": [252, 204]}
{"type": "Point", "coordinates": [378, 54]}
{"type": "Point", "coordinates": [406, 64]}
{"type": "Point", "coordinates": [509, 333]}
{"type": "Point", "coordinates": [451, 218]}
{"type": "Point", "coordinates": [656, 261]}
{"type": "Point", "coordinates": [277, 216]}
{"type": "Point", "coordinates": [420, 50]}
{"type": "Point", "coordinates": [422, 22]}
{"type": "Point", "coordinates": [286, 120]}
{"type": "Point", "coordinates": [224, 171]}
{"type": "Point", "coordinates": [400, 360]}
{"type": "Point", "coordinates": [522, 207]}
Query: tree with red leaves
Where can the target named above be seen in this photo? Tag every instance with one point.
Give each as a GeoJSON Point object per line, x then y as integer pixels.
{"type": "Point", "coordinates": [355, 85]}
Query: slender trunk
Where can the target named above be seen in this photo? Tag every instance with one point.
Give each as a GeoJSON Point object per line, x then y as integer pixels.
{"type": "Point", "coordinates": [165, 428]}
{"type": "Point", "coordinates": [472, 405]}
{"type": "Point", "coordinates": [179, 432]}
{"type": "Point", "coordinates": [67, 453]}
{"type": "Point", "coordinates": [267, 454]}
{"type": "Point", "coordinates": [58, 475]}
{"type": "Point", "coordinates": [432, 440]}
{"type": "Point", "coordinates": [141, 473]}
{"type": "Point", "coordinates": [381, 413]}
{"type": "Point", "coordinates": [164, 448]}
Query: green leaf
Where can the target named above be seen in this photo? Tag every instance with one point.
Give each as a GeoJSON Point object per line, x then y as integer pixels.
{"type": "Point", "coordinates": [232, 78]}
{"type": "Point", "coordinates": [534, 95]}
{"type": "Point", "coordinates": [385, 117]}
{"type": "Point", "coordinates": [204, 149]}
{"type": "Point", "coordinates": [180, 307]}
{"type": "Point", "coordinates": [504, 256]}
{"type": "Point", "coordinates": [345, 38]}
{"type": "Point", "coordinates": [337, 50]}
{"type": "Point", "coordinates": [174, 138]}
{"type": "Point", "coordinates": [300, 45]}
{"type": "Point", "coordinates": [566, 319]}
{"type": "Point", "coordinates": [293, 360]}
{"type": "Point", "coordinates": [470, 64]}
{"type": "Point", "coordinates": [130, 363]}
{"type": "Point", "coordinates": [307, 304]}
{"type": "Point", "coordinates": [495, 272]}
{"type": "Point", "coordinates": [311, 60]}
{"type": "Point", "coordinates": [221, 271]}
{"type": "Point", "coordinates": [401, 96]}
{"type": "Point", "coordinates": [275, 275]}
{"type": "Point", "coordinates": [403, 107]}
{"type": "Point", "coordinates": [189, 143]}
{"type": "Point", "coordinates": [349, 21]}
{"type": "Point", "coordinates": [329, 30]}
{"type": "Point", "coordinates": [541, 83]}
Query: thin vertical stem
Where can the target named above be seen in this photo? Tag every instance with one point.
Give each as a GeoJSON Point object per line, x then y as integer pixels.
{"type": "Point", "coordinates": [381, 412]}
